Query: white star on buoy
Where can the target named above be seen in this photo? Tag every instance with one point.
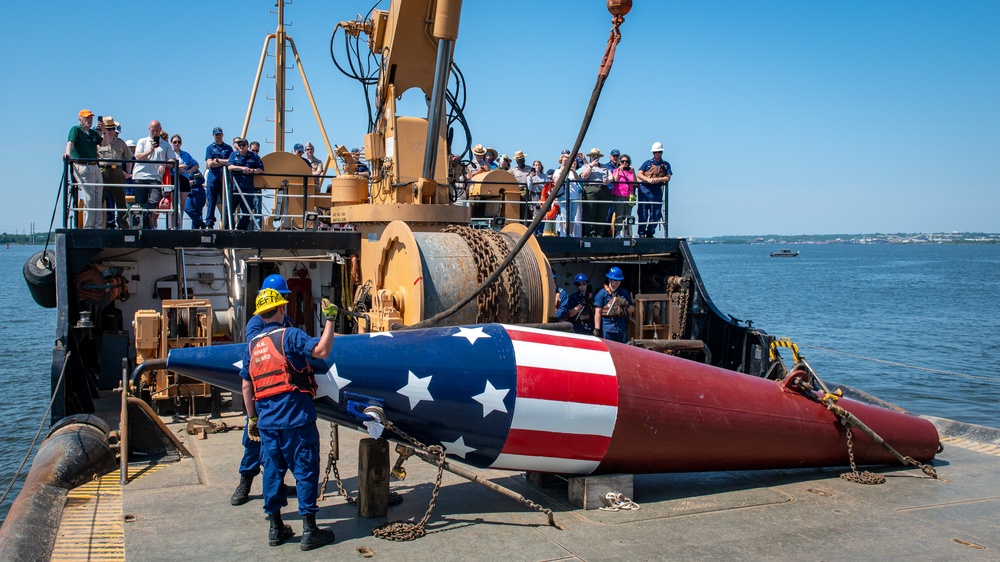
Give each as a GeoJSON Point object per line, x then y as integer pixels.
{"type": "Point", "coordinates": [379, 334]}
{"type": "Point", "coordinates": [492, 399]}
{"type": "Point", "coordinates": [471, 334]}
{"type": "Point", "coordinates": [457, 447]}
{"type": "Point", "coordinates": [416, 389]}
{"type": "Point", "coordinates": [334, 378]}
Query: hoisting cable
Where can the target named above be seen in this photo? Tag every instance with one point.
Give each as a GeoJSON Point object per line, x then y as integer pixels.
{"type": "Point", "coordinates": [618, 9]}
{"type": "Point", "coordinates": [45, 416]}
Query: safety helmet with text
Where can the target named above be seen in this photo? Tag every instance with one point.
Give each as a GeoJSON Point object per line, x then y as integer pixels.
{"type": "Point", "coordinates": [615, 274]}
{"type": "Point", "coordinates": [268, 299]}
{"type": "Point", "coordinates": [276, 282]}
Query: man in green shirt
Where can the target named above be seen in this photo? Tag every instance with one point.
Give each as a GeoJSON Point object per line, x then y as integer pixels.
{"type": "Point", "coordinates": [81, 146]}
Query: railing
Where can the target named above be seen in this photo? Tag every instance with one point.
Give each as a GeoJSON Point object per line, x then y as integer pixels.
{"type": "Point", "coordinates": [576, 217]}
{"type": "Point", "coordinates": [75, 209]}
{"type": "Point", "coordinates": [309, 210]}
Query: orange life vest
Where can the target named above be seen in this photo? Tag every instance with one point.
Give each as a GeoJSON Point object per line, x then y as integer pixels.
{"type": "Point", "coordinates": [270, 371]}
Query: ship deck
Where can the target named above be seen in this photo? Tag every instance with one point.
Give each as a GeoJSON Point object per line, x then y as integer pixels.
{"type": "Point", "coordinates": [181, 511]}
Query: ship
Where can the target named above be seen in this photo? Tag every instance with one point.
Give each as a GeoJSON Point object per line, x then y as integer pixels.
{"type": "Point", "coordinates": [785, 253]}
{"type": "Point", "coordinates": [748, 445]}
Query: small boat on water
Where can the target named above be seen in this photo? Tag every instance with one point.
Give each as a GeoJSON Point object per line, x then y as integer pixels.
{"type": "Point", "coordinates": [785, 253]}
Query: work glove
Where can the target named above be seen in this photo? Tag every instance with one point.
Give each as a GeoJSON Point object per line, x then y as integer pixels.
{"type": "Point", "coordinates": [330, 310]}
{"type": "Point", "coordinates": [252, 432]}
{"type": "Point", "coordinates": [597, 332]}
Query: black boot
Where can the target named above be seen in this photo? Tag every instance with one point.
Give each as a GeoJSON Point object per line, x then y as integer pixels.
{"type": "Point", "coordinates": [313, 536]}
{"type": "Point", "coordinates": [242, 493]}
{"type": "Point", "coordinates": [279, 532]}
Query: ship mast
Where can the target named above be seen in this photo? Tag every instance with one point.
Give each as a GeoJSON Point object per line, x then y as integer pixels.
{"type": "Point", "coordinates": [282, 43]}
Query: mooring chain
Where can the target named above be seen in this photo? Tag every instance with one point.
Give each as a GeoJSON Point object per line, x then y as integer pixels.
{"type": "Point", "coordinates": [849, 420]}
{"type": "Point", "coordinates": [331, 464]}
{"type": "Point", "coordinates": [512, 277]}
{"type": "Point", "coordinates": [404, 530]}
{"type": "Point", "coordinates": [865, 477]}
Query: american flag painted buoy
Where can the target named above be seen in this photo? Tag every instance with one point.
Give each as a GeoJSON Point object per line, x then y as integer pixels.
{"type": "Point", "coordinates": [519, 398]}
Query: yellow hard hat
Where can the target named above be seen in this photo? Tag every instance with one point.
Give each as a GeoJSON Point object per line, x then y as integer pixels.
{"type": "Point", "coordinates": [268, 299]}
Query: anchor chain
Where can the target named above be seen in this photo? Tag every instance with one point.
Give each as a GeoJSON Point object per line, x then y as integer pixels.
{"type": "Point", "coordinates": [331, 464]}
{"type": "Point", "coordinates": [865, 477]}
{"type": "Point", "coordinates": [404, 530]}
{"type": "Point", "coordinates": [486, 245]}
{"type": "Point", "coordinates": [849, 420]}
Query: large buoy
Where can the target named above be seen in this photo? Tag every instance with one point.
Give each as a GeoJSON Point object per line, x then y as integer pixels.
{"type": "Point", "coordinates": [40, 275]}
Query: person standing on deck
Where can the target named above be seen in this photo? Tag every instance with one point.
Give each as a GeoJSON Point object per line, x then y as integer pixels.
{"type": "Point", "coordinates": [244, 164]}
{"type": "Point", "coordinates": [612, 307]}
{"type": "Point", "coordinates": [655, 176]}
{"type": "Point", "coordinates": [148, 178]}
{"type": "Point", "coordinates": [581, 307]}
{"type": "Point", "coordinates": [597, 194]}
{"type": "Point", "coordinates": [216, 158]}
{"type": "Point", "coordinates": [191, 182]}
{"type": "Point", "coordinates": [113, 173]}
{"type": "Point", "coordinates": [82, 146]}
{"type": "Point", "coordinates": [278, 388]}
{"type": "Point", "coordinates": [250, 464]}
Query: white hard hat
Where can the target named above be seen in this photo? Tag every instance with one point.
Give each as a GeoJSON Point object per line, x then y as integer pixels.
{"type": "Point", "coordinates": [657, 147]}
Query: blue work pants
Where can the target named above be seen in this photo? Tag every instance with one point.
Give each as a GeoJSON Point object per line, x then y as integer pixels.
{"type": "Point", "coordinates": [295, 449]}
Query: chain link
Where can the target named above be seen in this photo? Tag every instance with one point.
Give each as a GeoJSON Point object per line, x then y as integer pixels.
{"type": "Point", "coordinates": [489, 248]}
{"type": "Point", "coordinates": [404, 530]}
{"type": "Point", "coordinates": [865, 477]}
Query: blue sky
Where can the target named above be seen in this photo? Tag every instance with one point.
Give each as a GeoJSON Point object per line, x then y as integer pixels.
{"type": "Point", "coordinates": [788, 117]}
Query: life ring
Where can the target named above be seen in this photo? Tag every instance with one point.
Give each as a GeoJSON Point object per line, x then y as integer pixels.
{"type": "Point", "coordinates": [300, 300]}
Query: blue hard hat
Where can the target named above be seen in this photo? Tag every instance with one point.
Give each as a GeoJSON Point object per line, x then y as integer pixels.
{"type": "Point", "coordinates": [615, 274]}
{"type": "Point", "coordinates": [276, 282]}
{"type": "Point", "coordinates": [580, 278]}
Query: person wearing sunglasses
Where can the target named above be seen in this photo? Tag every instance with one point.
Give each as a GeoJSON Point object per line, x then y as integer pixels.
{"type": "Point", "coordinates": [581, 306]}
{"type": "Point", "coordinates": [244, 165]}
{"type": "Point", "coordinates": [623, 182]}
{"type": "Point", "coordinates": [191, 183]}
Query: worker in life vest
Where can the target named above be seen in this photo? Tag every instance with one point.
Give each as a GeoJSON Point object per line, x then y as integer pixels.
{"type": "Point", "coordinates": [278, 388]}
{"type": "Point", "coordinates": [612, 307]}
{"type": "Point", "coordinates": [252, 455]}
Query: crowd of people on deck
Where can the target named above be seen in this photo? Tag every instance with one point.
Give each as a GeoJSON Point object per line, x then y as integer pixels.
{"type": "Point", "coordinates": [610, 189]}
{"type": "Point", "coordinates": [593, 200]}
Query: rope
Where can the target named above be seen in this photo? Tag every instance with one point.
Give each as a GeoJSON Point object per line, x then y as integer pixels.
{"type": "Point", "coordinates": [614, 501]}
{"type": "Point", "coordinates": [45, 416]}
{"type": "Point", "coordinates": [904, 365]}
{"type": "Point", "coordinates": [52, 221]}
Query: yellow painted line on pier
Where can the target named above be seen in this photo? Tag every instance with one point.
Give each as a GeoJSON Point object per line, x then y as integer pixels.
{"type": "Point", "coordinates": [92, 526]}
{"type": "Point", "coordinates": [961, 443]}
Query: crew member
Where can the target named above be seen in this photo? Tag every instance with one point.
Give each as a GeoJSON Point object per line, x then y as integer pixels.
{"type": "Point", "coordinates": [612, 307]}
{"type": "Point", "coordinates": [250, 464]}
{"type": "Point", "coordinates": [581, 308]}
{"type": "Point", "coordinates": [278, 388]}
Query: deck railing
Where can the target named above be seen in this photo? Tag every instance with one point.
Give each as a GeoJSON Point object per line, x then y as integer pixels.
{"type": "Point", "coordinates": [271, 208]}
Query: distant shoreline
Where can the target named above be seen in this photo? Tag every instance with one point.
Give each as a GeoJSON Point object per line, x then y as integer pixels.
{"type": "Point", "coordinates": [878, 238]}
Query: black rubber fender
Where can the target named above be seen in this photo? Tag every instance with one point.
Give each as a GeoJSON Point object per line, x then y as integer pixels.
{"type": "Point", "coordinates": [40, 275]}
